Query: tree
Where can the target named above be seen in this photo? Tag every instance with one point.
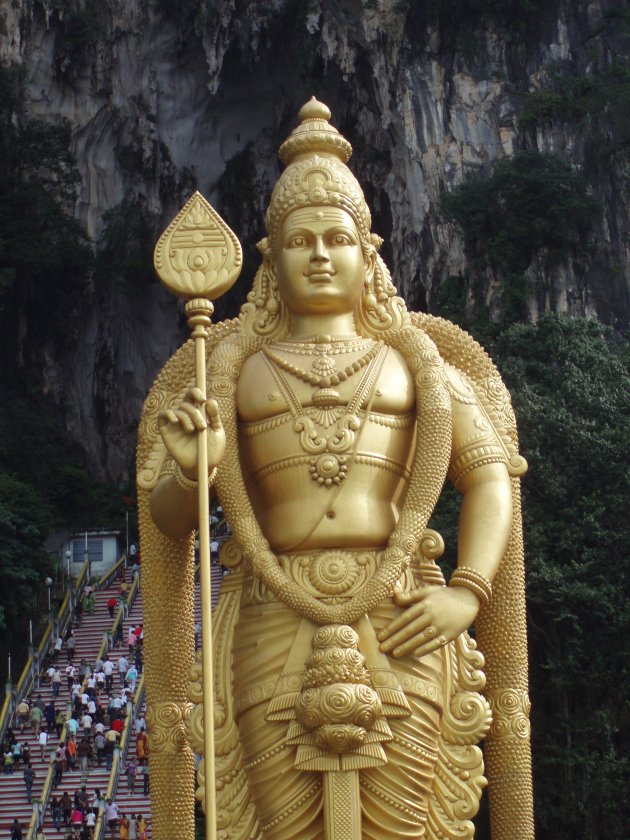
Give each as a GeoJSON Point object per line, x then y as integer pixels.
{"type": "Point", "coordinates": [570, 384]}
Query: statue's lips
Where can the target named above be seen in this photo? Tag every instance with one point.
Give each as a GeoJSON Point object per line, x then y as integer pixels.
{"type": "Point", "coordinates": [320, 276]}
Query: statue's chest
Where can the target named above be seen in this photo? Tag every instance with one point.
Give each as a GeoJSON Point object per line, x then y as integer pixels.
{"type": "Point", "coordinates": [265, 390]}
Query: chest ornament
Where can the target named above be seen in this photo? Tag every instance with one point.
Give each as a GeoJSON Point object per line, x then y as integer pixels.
{"type": "Point", "coordinates": [329, 433]}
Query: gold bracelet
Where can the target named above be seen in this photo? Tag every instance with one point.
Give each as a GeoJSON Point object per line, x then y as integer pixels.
{"type": "Point", "coordinates": [184, 482]}
{"type": "Point", "coordinates": [474, 581]}
{"type": "Point", "coordinates": [189, 484]}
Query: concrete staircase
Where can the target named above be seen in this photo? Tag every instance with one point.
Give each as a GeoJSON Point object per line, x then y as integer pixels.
{"type": "Point", "coordinates": [13, 801]}
{"type": "Point", "coordinates": [89, 637]}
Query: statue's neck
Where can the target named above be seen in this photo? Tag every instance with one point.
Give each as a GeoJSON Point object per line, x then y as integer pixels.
{"type": "Point", "coordinates": [333, 325]}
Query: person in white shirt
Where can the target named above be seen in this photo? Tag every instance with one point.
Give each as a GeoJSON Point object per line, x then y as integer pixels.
{"type": "Point", "coordinates": [57, 649]}
{"type": "Point", "coordinates": [43, 742]}
{"type": "Point", "coordinates": [56, 682]}
{"type": "Point", "coordinates": [111, 815]}
{"type": "Point", "coordinates": [116, 702]}
{"type": "Point", "coordinates": [123, 665]}
{"type": "Point", "coordinates": [108, 671]}
{"type": "Point", "coordinates": [131, 677]}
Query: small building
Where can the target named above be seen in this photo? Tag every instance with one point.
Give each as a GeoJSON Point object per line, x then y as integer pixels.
{"type": "Point", "coordinates": [102, 547]}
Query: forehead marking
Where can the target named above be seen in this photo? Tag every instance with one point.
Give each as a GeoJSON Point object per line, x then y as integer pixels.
{"type": "Point", "coordinates": [329, 214]}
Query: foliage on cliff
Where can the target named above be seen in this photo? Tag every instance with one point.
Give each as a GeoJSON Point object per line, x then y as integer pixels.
{"type": "Point", "coordinates": [570, 382]}
{"type": "Point", "coordinates": [532, 207]}
{"type": "Point", "coordinates": [570, 385]}
{"type": "Point", "coordinates": [46, 261]}
{"type": "Point", "coordinates": [45, 256]}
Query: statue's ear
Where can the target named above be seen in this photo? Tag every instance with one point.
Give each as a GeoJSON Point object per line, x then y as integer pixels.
{"type": "Point", "coordinates": [370, 264]}
{"type": "Point", "coordinates": [263, 246]}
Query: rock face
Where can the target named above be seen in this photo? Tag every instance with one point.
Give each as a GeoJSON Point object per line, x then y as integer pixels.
{"type": "Point", "coordinates": [163, 97]}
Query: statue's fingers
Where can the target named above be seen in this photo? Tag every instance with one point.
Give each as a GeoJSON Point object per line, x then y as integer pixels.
{"type": "Point", "coordinates": [184, 421]}
{"type": "Point", "coordinates": [403, 599]}
{"type": "Point", "coordinates": [195, 395]}
{"type": "Point", "coordinates": [410, 628]}
{"type": "Point", "coordinates": [195, 415]}
{"type": "Point", "coordinates": [214, 418]}
{"type": "Point", "coordinates": [424, 648]}
{"type": "Point", "coordinates": [167, 417]}
{"type": "Point", "coordinates": [398, 623]}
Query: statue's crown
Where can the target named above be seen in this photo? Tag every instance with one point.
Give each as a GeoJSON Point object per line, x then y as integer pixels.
{"type": "Point", "coordinates": [314, 134]}
{"type": "Point", "coordinates": [315, 155]}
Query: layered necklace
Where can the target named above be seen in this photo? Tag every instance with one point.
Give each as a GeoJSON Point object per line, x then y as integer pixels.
{"type": "Point", "coordinates": [329, 464]}
{"type": "Point", "coordinates": [324, 373]}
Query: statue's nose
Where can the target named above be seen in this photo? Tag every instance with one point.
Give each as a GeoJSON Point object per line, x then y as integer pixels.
{"type": "Point", "coordinates": [319, 252]}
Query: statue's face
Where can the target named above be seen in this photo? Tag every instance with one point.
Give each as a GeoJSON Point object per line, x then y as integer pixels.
{"type": "Point", "coordinates": [320, 266]}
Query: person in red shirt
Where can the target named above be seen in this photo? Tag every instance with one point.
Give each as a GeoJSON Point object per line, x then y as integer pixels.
{"type": "Point", "coordinates": [111, 606]}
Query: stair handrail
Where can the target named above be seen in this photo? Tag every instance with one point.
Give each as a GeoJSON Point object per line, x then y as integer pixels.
{"type": "Point", "coordinates": [31, 671]}
{"type": "Point", "coordinates": [40, 809]}
{"type": "Point", "coordinates": [106, 580]}
{"type": "Point", "coordinates": [120, 756]}
{"type": "Point", "coordinates": [40, 804]}
{"type": "Point", "coordinates": [44, 796]}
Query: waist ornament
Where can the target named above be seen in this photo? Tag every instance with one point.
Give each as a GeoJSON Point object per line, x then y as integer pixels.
{"type": "Point", "coordinates": [330, 575]}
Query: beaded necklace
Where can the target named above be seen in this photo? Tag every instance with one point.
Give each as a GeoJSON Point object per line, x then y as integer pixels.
{"type": "Point", "coordinates": [323, 345]}
{"type": "Point", "coordinates": [330, 451]}
{"type": "Point", "coordinates": [324, 373]}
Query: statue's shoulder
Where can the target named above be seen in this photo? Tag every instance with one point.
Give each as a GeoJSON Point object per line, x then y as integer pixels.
{"type": "Point", "coordinates": [474, 381]}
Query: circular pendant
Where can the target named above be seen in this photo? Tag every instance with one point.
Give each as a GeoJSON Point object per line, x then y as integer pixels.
{"type": "Point", "coordinates": [326, 396]}
{"type": "Point", "coordinates": [329, 469]}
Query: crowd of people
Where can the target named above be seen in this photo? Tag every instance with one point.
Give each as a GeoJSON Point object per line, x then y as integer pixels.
{"type": "Point", "coordinates": [98, 693]}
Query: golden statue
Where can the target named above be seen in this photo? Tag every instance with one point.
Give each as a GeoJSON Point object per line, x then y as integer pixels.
{"type": "Point", "coordinates": [347, 693]}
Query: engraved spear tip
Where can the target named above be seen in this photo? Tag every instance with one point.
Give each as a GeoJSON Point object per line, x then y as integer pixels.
{"type": "Point", "coordinates": [198, 256]}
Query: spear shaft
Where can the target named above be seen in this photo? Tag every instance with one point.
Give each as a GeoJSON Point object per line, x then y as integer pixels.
{"type": "Point", "coordinates": [199, 312]}
{"type": "Point", "coordinates": [198, 258]}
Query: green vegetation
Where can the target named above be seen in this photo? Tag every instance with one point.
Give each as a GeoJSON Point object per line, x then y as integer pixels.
{"type": "Point", "coordinates": [125, 253]}
{"type": "Point", "coordinates": [570, 384]}
{"type": "Point", "coordinates": [80, 29]}
{"type": "Point", "coordinates": [46, 264]}
{"type": "Point", "coordinates": [45, 257]}
{"type": "Point", "coordinates": [598, 105]}
{"type": "Point", "coordinates": [45, 485]}
{"type": "Point", "coordinates": [532, 205]}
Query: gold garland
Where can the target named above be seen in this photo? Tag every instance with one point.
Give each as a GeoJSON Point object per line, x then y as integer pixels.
{"type": "Point", "coordinates": [430, 465]}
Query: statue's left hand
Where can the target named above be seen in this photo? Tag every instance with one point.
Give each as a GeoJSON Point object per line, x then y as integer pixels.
{"type": "Point", "coordinates": [433, 616]}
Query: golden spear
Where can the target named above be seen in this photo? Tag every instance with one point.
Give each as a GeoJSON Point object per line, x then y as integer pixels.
{"type": "Point", "coordinates": [198, 258]}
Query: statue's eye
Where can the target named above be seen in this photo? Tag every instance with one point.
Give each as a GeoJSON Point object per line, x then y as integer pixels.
{"type": "Point", "coordinates": [297, 242]}
{"type": "Point", "coordinates": [341, 239]}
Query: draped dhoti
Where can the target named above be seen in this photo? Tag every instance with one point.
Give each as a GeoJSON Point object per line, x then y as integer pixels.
{"type": "Point", "coordinates": [271, 645]}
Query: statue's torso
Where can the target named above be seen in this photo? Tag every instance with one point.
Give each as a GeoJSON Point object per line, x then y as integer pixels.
{"type": "Point", "coordinates": [295, 509]}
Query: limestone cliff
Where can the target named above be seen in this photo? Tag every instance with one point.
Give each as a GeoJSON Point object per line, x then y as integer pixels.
{"type": "Point", "coordinates": [163, 97]}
